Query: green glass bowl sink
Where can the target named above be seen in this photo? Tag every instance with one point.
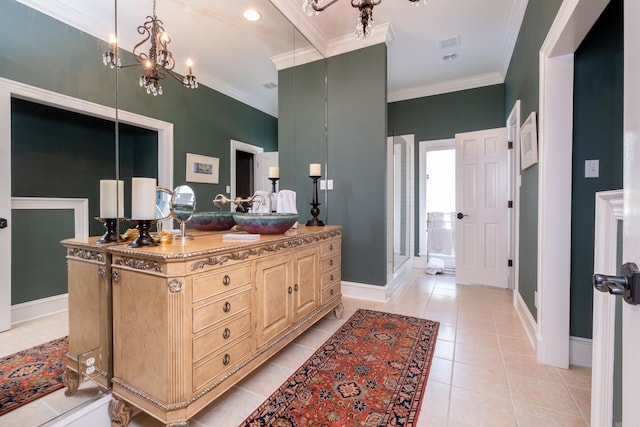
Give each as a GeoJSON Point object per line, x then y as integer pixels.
{"type": "Point", "coordinates": [265, 223]}
{"type": "Point", "coordinates": [212, 221]}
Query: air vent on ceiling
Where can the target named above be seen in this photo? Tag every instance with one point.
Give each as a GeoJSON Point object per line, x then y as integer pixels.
{"type": "Point", "coordinates": [451, 42]}
{"type": "Point", "coordinates": [270, 85]}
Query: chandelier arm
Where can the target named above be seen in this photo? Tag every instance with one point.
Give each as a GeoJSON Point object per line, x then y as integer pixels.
{"type": "Point", "coordinates": [174, 75]}
{"type": "Point", "coordinates": [317, 8]}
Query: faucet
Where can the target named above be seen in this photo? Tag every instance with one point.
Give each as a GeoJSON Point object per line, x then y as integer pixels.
{"type": "Point", "coordinates": [221, 199]}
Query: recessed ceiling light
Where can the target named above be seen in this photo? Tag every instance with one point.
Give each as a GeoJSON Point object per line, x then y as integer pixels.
{"type": "Point", "coordinates": [252, 15]}
{"type": "Point", "coordinates": [450, 56]}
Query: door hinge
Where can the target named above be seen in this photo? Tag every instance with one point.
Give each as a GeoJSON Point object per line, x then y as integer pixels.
{"type": "Point", "coordinates": [510, 204]}
{"type": "Point", "coordinates": [509, 145]}
{"type": "Point", "coordinates": [510, 263]}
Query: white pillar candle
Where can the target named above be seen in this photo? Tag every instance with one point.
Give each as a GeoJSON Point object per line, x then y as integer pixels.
{"type": "Point", "coordinates": [143, 198]}
{"type": "Point", "coordinates": [111, 198]}
{"type": "Point", "coordinates": [315, 169]}
{"type": "Point", "coordinates": [274, 172]}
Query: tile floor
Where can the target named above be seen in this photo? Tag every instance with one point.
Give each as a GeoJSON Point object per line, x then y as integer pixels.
{"type": "Point", "coordinates": [483, 374]}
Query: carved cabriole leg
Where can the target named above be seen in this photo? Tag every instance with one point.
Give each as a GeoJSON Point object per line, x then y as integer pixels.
{"type": "Point", "coordinates": [119, 412]}
{"type": "Point", "coordinates": [339, 311]}
{"type": "Point", "coordinates": [71, 381]}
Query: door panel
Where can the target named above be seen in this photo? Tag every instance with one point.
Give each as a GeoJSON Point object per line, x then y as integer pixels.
{"type": "Point", "coordinates": [481, 196]}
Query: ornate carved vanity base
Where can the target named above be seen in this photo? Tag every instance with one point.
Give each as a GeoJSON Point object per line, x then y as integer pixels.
{"type": "Point", "coordinates": [190, 320]}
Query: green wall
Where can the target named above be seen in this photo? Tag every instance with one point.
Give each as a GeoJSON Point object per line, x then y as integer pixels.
{"type": "Point", "coordinates": [442, 116]}
{"type": "Point", "coordinates": [597, 134]}
{"type": "Point", "coordinates": [357, 129]}
{"type": "Point", "coordinates": [204, 120]}
{"type": "Point", "coordinates": [521, 83]}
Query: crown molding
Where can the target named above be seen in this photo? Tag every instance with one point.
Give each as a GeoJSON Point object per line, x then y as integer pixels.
{"type": "Point", "coordinates": [292, 10]}
{"type": "Point", "coordinates": [446, 87]}
{"type": "Point", "coordinates": [296, 57]}
{"type": "Point", "coordinates": [382, 33]}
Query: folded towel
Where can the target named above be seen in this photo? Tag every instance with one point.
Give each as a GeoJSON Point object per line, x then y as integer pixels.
{"type": "Point", "coordinates": [286, 202]}
{"type": "Point", "coordinates": [262, 202]}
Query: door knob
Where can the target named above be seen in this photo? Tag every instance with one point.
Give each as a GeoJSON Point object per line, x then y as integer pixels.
{"type": "Point", "coordinates": [626, 284]}
{"type": "Point", "coordinates": [3, 223]}
{"type": "Point", "coordinates": [461, 215]}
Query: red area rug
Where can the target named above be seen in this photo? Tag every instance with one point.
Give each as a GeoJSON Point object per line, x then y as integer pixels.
{"type": "Point", "coordinates": [371, 372]}
{"type": "Point", "coordinates": [32, 373]}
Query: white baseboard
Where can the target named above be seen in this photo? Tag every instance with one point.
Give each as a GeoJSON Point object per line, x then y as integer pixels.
{"type": "Point", "coordinates": [39, 308]}
{"type": "Point", "coordinates": [94, 414]}
{"type": "Point", "coordinates": [580, 351]}
{"type": "Point", "coordinates": [526, 318]}
{"type": "Point", "coordinates": [374, 292]}
{"type": "Point", "coordinates": [420, 261]}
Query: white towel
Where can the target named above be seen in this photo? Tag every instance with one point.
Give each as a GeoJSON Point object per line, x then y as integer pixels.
{"type": "Point", "coordinates": [286, 202]}
{"type": "Point", "coordinates": [262, 202]}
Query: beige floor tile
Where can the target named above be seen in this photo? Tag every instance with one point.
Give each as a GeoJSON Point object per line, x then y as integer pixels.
{"type": "Point", "coordinates": [265, 380]}
{"type": "Point", "coordinates": [488, 380]}
{"type": "Point", "coordinates": [228, 411]}
{"type": "Point", "coordinates": [292, 356]}
{"type": "Point", "coordinates": [476, 324]}
{"type": "Point", "coordinates": [532, 416]}
{"type": "Point", "coordinates": [516, 345]}
{"type": "Point", "coordinates": [444, 349]}
{"type": "Point", "coordinates": [526, 366]}
{"type": "Point", "coordinates": [546, 394]}
{"type": "Point", "coordinates": [441, 370]}
{"type": "Point", "coordinates": [476, 338]}
{"type": "Point", "coordinates": [576, 376]}
{"type": "Point", "coordinates": [478, 356]}
{"type": "Point", "coordinates": [446, 333]}
{"type": "Point", "coordinates": [30, 415]}
{"type": "Point", "coordinates": [435, 403]}
{"type": "Point", "coordinates": [469, 408]}
{"type": "Point", "coordinates": [582, 398]}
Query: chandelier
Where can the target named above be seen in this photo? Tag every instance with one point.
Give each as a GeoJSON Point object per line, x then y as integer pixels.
{"type": "Point", "coordinates": [157, 63]}
{"type": "Point", "coordinates": [364, 23]}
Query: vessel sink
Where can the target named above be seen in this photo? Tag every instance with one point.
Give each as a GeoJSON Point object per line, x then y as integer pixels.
{"type": "Point", "coordinates": [265, 223]}
{"type": "Point", "coordinates": [212, 221]}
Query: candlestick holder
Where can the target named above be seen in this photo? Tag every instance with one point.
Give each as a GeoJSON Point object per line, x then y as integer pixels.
{"type": "Point", "coordinates": [314, 210]}
{"type": "Point", "coordinates": [144, 236]}
{"type": "Point", "coordinates": [111, 224]}
{"type": "Point", "coordinates": [273, 184]}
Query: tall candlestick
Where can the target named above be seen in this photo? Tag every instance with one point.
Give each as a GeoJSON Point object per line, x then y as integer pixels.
{"type": "Point", "coordinates": [143, 198]}
{"type": "Point", "coordinates": [315, 169]}
{"type": "Point", "coordinates": [111, 198]}
{"type": "Point", "coordinates": [274, 172]}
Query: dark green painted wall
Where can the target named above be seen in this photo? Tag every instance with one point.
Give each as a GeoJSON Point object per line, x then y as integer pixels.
{"type": "Point", "coordinates": [357, 123]}
{"type": "Point", "coordinates": [597, 134]}
{"type": "Point", "coordinates": [204, 120]}
{"type": "Point", "coordinates": [522, 83]}
{"type": "Point", "coordinates": [442, 116]}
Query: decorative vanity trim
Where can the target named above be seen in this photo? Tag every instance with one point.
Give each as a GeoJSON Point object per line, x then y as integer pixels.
{"type": "Point", "coordinates": [175, 286]}
{"type": "Point", "coordinates": [138, 264]}
{"type": "Point", "coordinates": [86, 254]}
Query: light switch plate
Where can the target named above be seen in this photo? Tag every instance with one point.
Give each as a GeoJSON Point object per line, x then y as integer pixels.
{"type": "Point", "coordinates": [330, 184]}
{"type": "Point", "coordinates": [591, 168]}
{"type": "Point", "coordinates": [323, 184]}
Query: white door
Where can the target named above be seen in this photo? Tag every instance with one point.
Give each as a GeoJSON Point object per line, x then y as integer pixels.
{"type": "Point", "coordinates": [261, 165]}
{"type": "Point", "coordinates": [482, 210]}
{"type": "Point", "coordinates": [631, 224]}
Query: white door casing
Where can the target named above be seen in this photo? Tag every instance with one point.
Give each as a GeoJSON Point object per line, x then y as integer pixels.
{"type": "Point", "coordinates": [481, 195]}
{"type": "Point", "coordinates": [631, 224]}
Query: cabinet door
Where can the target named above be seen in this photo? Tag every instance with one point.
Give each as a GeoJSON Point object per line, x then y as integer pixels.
{"type": "Point", "coordinates": [274, 288]}
{"type": "Point", "coordinates": [306, 282]}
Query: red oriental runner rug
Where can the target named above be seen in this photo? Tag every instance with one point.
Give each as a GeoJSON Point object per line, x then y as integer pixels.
{"type": "Point", "coordinates": [32, 373]}
{"type": "Point", "coordinates": [372, 372]}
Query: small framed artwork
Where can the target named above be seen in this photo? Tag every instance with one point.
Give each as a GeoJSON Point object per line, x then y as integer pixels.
{"type": "Point", "coordinates": [529, 142]}
{"type": "Point", "coordinates": [202, 169]}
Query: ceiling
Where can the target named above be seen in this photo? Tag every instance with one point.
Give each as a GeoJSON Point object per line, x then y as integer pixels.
{"type": "Point", "coordinates": [241, 58]}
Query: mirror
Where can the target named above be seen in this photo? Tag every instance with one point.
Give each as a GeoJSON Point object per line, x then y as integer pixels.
{"type": "Point", "coordinates": [152, 135]}
{"type": "Point", "coordinates": [183, 205]}
{"type": "Point", "coordinates": [163, 204]}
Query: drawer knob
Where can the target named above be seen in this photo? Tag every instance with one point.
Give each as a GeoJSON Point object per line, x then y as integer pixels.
{"type": "Point", "coordinates": [226, 307]}
{"type": "Point", "coordinates": [331, 293]}
{"type": "Point", "coordinates": [227, 333]}
{"type": "Point", "coordinates": [289, 290]}
{"type": "Point", "coordinates": [295, 287]}
{"type": "Point", "coordinates": [102, 272]}
{"type": "Point", "coordinates": [331, 247]}
{"type": "Point", "coordinates": [331, 262]}
{"type": "Point", "coordinates": [226, 280]}
{"type": "Point", "coordinates": [332, 277]}
{"type": "Point", "coordinates": [226, 359]}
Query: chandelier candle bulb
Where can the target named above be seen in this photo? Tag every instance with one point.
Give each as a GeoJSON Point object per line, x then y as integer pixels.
{"type": "Point", "coordinates": [143, 198]}
{"type": "Point", "coordinates": [111, 198]}
{"type": "Point", "coordinates": [274, 172]}
{"type": "Point", "coordinates": [315, 169]}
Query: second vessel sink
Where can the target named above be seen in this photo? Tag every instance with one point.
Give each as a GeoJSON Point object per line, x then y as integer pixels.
{"type": "Point", "coordinates": [265, 223]}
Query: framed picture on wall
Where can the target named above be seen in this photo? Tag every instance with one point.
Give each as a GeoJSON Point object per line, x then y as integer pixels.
{"type": "Point", "coordinates": [529, 142]}
{"type": "Point", "coordinates": [202, 169]}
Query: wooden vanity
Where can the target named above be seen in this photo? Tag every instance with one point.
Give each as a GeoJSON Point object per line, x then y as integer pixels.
{"type": "Point", "coordinates": [192, 319]}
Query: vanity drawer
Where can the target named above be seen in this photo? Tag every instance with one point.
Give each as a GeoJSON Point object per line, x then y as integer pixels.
{"type": "Point", "coordinates": [330, 263]}
{"type": "Point", "coordinates": [220, 363]}
{"type": "Point", "coordinates": [220, 336]}
{"type": "Point", "coordinates": [330, 247]}
{"type": "Point", "coordinates": [208, 285]}
{"type": "Point", "coordinates": [330, 292]}
{"type": "Point", "coordinates": [329, 278]}
{"type": "Point", "coordinates": [220, 310]}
